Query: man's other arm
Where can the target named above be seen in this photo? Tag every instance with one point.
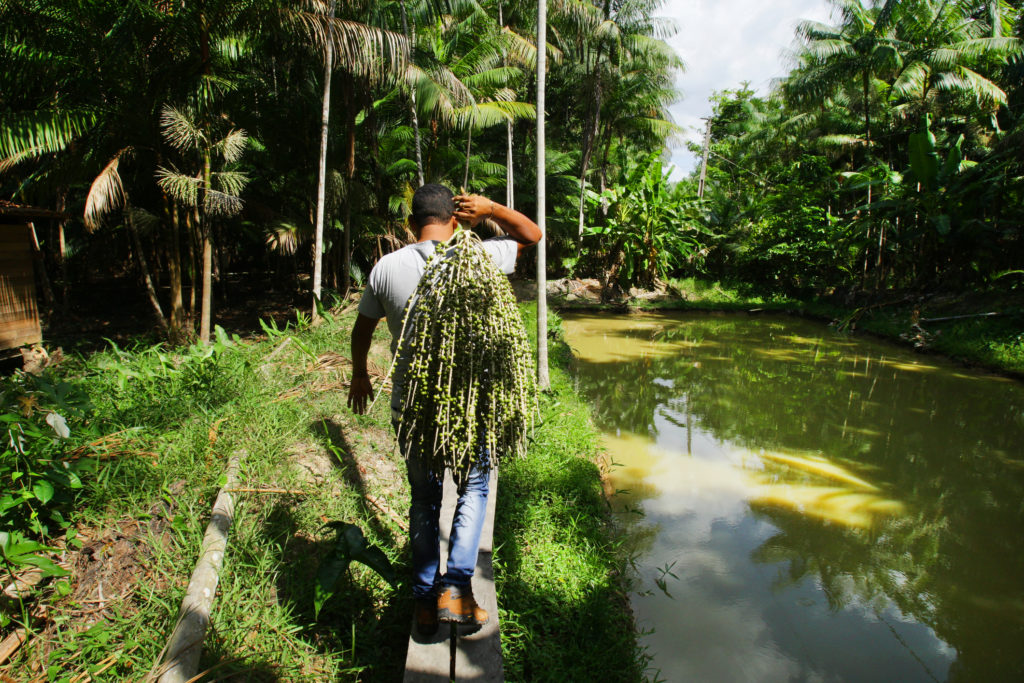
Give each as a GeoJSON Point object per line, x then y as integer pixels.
{"type": "Point", "coordinates": [360, 389]}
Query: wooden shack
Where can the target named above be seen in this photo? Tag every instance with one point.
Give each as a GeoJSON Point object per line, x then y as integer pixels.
{"type": "Point", "coordinates": [19, 311]}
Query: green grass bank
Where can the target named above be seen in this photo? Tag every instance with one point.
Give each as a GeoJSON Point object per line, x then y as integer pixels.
{"type": "Point", "coordinates": [150, 433]}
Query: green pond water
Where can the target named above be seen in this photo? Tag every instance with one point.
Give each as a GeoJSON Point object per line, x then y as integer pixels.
{"type": "Point", "coordinates": [805, 506]}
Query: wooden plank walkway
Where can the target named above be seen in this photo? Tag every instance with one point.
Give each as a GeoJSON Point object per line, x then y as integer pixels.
{"type": "Point", "coordinates": [457, 653]}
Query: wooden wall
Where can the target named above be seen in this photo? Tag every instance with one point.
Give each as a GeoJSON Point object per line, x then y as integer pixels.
{"type": "Point", "coordinates": [19, 314]}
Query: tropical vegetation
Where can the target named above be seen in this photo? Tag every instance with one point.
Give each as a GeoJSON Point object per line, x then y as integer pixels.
{"type": "Point", "coordinates": [285, 137]}
{"type": "Point", "coordinates": [890, 157]}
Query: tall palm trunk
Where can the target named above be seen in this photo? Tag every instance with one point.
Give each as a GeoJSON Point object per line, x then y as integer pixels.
{"type": "Point", "coordinates": [590, 140]}
{"type": "Point", "coordinates": [325, 115]}
{"type": "Point", "coordinates": [510, 200]}
{"type": "Point", "coordinates": [175, 277]}
{"type": "Point", "coordinates": [62, 252]}
{"type": "Point", "coordinates": [172, 245]}
{"type": "Point", "coordinates": [350, 174]}
{"type": "Point", "coordinates": [469, 147]}
{"type": "Point", "coordinates": [205, 313]}
{"type": "Point", "coordinates": [409, 36]}
{"type": "Point", "coordinates": [543, 378]}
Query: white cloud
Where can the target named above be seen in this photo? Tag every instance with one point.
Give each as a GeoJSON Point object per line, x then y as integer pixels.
{"type": "Point", "coordinates": [724, 43]}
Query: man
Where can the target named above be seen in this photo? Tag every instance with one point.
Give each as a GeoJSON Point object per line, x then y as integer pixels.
{"type": "Point", "coordinates": [435, 216]}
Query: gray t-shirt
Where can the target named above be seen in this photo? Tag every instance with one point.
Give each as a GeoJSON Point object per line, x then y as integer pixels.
{"type": "Point", "coordinates": [394, 279]}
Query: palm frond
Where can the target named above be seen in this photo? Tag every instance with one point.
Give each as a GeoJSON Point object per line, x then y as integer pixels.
{"type": "Point", "coordinates": [15, 159]}
{"type": "Point", "coordinates": [912, 80]}
{"type": "Point", "coordinates": [105, 194]}
{"type": "Point", "coordinates": [285, 238]}
{"type": "Point", "coordinates": [498, 77]}
{"type": "Point", "coordinates": [232, 145]}
{"type": "Point", "coordinates": [839, 140]}
{"type": "Point", "coordinates": [182, 187]}
{"type": "Point", "coordinates": [180, 131]}
{"type": "Point", "coordinates": [41, 132]}
{"type": "Point", "coordinates": [230, 182]}
{"type": "Point", "coordinates": [221, 203]}
{"type": "Point", "coordinates": [971, 83]}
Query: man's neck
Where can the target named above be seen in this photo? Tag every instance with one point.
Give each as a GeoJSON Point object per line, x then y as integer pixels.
{"type": "Point", "coordinates": [436, 231]}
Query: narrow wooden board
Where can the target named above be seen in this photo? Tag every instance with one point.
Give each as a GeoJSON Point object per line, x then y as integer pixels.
{"type": "Point", "coordinates": [478, 655]}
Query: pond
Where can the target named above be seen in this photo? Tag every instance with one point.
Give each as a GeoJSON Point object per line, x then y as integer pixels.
{"type": "Point", "coordinates": [806, 506]}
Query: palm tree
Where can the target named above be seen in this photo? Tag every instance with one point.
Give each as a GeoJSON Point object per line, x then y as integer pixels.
{"type": "Point", "coordinates": [543, 378]}
{"type": "Point", "coordinates": [196, 130]}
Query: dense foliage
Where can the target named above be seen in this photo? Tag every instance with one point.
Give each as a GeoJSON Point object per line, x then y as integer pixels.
{"type": "Point", "coordinates": [193, 127]}
{"type": "Point", "coordinates": [892, 155]}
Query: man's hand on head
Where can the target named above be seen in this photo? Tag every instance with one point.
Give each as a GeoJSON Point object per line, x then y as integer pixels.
{"type": "Point", "coordinates": [359, 391]}
{"type": "Point", "coordinates": [472, 208]}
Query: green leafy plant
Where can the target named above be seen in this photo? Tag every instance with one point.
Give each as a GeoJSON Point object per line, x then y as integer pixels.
{"type": "Point", "coordinates": [349, 545]}
{"type": "Point", "coordinates": [158, 386]}
{"type": "Point", "coordinates": [39, 416]}
{"type": "Point", "coordinates": [646, 229]}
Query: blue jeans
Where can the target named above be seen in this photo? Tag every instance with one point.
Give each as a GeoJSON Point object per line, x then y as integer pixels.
{"type": "Point", "coordinates": [424, 516]}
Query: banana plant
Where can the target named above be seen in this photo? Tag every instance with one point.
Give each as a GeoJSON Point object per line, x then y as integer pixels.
{"type": "Point", "coordinates": [938, 179]}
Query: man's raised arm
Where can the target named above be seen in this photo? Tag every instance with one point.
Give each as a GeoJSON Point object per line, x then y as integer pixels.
{"type": "Point", "coordinates": [472, 208]}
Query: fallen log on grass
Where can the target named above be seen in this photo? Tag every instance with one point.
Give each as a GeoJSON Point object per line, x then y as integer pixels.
{"type": "Point", "coordinates": [11, 643]}
{"type": "Point", "coordinates": [180, 658]}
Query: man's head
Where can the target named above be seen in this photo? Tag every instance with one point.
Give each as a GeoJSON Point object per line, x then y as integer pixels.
{"type": "Point", "coordinates": [432, 203]}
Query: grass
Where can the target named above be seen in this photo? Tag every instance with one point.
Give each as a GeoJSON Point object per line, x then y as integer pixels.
{"type": "Point", "coordinates": [558, 561]}
{"type": "Point", "coordinates": [177, 418]}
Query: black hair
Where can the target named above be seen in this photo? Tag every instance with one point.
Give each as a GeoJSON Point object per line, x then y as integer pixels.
{"type": "Point", "coordinates": [432, 203]}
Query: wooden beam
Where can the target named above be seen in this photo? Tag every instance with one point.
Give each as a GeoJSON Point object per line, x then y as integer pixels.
{"type": "Point", "coordinates": [181, 655]}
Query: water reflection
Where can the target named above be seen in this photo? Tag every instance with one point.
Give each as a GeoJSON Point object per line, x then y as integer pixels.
{"type": "Point", "coordinates": [835, 509]}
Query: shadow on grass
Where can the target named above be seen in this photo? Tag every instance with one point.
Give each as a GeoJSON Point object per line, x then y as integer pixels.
{"type": "Point", "coordinates": [362, 627]}
{"type": "Point", "coordinates": [333, 436]}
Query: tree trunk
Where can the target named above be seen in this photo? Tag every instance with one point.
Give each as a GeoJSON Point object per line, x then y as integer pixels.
{"type": "Point", "coordinates": [590, 140]}
{"type": "Point", "coordinates": [140, 257]}
{"type": "Point", "coordinates": [510, 199]}
{"type": "Point", "coordinates": [207, 302]}
{"type": "Point", "coordinates": [543, 378]}
{"type": "Point", "coordinates": [173, 246]}
{"type": "Point", "coordinates": [510, 194]}
{"type": "Point", "coordinates": [325, 114]}
{"type": "Point", "coordinates": [346, 254]}
{"type": "Point", "coordinates": [192, 223]}
{"type": "Point", "coordinates": [410, 36]}
{"type": "Point", "coordinates": [469, 147]}
{"type": "Point", "coordinates": [62, 253]}
{"type": "Point", "coordinates": [40, 262]}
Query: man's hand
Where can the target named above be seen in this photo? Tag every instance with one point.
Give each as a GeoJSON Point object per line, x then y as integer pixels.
{"type": "Point", "coordinates": [359, 390]}
{"type": "Point", "coordinates": [472, 208]}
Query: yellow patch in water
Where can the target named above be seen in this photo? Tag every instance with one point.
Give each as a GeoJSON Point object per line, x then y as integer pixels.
{"type": "Point", "coordinates": [607, 339]}
{"type": "Point", "coordinates": [836, 504]}
{"type": "Point", "coordinates": [780, 354]}
{"type": "Point", "coordinates": [817, 465]}
{"type": "Point", "coordinates": [907, 367]}
{"type": "Point", "coordinates": [801, 482]}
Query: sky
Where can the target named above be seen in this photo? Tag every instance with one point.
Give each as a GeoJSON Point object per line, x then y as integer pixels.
{"type": "Point", "coordinates": [726, 42]}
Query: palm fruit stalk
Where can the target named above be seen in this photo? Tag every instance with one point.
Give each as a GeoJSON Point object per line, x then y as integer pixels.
{"type": "Point", "coordinates": [469, 381]}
